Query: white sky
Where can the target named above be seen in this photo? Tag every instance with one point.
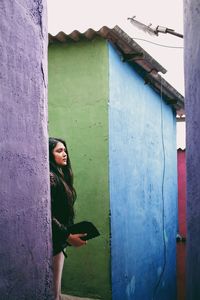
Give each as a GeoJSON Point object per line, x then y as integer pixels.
{"type": "Point", "coordinates": [69, 15]}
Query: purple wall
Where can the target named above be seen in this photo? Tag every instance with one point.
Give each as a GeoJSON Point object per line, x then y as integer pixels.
{"type": "Point", "coordinates": [25, 247]}
{"type": "Point", "coordinates": [192, 85]}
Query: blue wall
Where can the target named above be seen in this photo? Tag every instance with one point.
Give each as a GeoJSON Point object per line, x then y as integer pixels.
{"type": "Point", "coordinates": [143, 187]}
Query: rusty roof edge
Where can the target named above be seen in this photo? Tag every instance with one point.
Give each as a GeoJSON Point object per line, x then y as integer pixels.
{"type": "Point", "coordinates": [100, 31]}
{"type": "Point", "coordinates": [138, 48]}
{"type": "Point", "coordinates": [113, 33]}
{"type": "Point", "coordinates": [176, 99]}
{"type": "Point", "coordinates": [85, 31]}
{"type": "Point", "coordinates": [147, 62]}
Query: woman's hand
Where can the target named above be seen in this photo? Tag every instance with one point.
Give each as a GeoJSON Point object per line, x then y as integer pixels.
{"type": "Point", "coordinates": [75, 239]}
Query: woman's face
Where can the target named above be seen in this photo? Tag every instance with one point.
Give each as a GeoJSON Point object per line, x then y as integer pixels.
{"type": "Point", "coordinates": [60, 155]}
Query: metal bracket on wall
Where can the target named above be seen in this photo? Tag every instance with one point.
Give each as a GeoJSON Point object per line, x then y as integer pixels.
{"type": "Point", "coordinates": [180, 238]}
{"type": "Point", "coordinates": [131, 56]}
{"type": "Point", "coordinates": [126, 56]}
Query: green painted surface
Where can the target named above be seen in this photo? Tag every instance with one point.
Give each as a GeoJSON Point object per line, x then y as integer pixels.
{"type": "Point", "coordinates": [78, 112]}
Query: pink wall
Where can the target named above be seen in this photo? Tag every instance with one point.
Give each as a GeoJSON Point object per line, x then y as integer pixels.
{"type": "Point", "coordinates": [181, 192]}
{"type": "Point", "coordinates": [181, 246]}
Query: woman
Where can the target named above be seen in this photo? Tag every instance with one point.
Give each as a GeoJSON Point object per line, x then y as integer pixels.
{"type": "Point", "coordinates": [63, 196]}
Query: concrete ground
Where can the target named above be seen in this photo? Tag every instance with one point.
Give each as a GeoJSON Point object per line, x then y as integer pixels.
{"type": "Point", "coordinates": [67, 297]}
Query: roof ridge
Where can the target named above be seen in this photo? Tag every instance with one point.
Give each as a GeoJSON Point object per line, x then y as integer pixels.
{"type": "Point", "coordinates": [132, 53]}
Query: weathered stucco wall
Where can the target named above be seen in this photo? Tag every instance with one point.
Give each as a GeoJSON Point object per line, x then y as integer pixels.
{"type": "Point", "coordinates": [143, 187]}
{"type": "Point", "coordinates": [78, 112]}
{"type": "Point", "coordinates": [192, 96]}
{"type": "Point", "coordinates": [25, 247]}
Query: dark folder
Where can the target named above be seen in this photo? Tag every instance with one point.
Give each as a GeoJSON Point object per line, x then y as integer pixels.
{"type": "Point", "coordinates": [84, 227]}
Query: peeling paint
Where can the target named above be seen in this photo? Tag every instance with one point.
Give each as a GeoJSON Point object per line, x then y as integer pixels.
{"type": "Point", "coordinates": [130, 289]}
{"type": "Point", "coordinates": [159, 271]}
{"type": "Point", "coordinates": [36, 11]}
{"type": "Point", "coordinates": [165, 236]}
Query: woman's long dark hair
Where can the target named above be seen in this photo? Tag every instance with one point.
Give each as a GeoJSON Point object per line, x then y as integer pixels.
{"type": "Point", "coordinates": [66, 176]}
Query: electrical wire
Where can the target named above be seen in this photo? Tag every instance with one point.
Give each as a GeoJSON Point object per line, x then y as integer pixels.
{"type": "Point", "coordinates": [166, 46]}
{"type": "Point", "coordinates": [163, 204]}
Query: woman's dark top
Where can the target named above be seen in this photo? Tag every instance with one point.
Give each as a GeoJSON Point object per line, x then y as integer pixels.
{"type": "Point", "coordinates": [61, 218]}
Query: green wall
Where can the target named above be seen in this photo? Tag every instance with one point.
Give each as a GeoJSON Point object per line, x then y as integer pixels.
{"type": "Point", "coordinates": [78, 112]}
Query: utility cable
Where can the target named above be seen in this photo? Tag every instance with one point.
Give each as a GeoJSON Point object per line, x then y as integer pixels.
{"type": "Point", "coordinates": [163, 205]}
{"type": "Point", "coordinates": [166, 46]}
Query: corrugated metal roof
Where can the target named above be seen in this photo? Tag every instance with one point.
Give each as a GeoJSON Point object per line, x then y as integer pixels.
{"type": "Point", "coordinates": [134, 54]}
